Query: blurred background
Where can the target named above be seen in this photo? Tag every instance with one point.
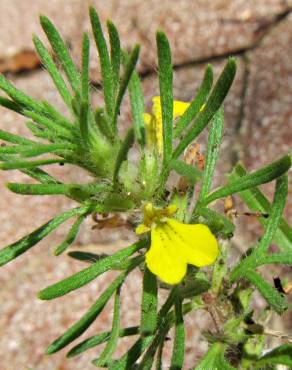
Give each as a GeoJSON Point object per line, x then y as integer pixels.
{"type": "Point", "coordinates": [258, 130]}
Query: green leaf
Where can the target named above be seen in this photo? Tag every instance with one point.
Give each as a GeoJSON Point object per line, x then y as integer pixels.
{"type": "Point", "coordinates": [105, 65]}
{"type": "Point", "coordinates": [12, 251]}
{"type": "Point", "coordinates": [51, 67]}
{"type": "Point", "coordinates": [62, 52]}
{"type": "Point", "coordinates": [256, 201]}
{"type": "Point", "coordinates": [196, 104]}
{"type": "Point", "coordinates": [70, 190]}
{"type": "Point", "coordinates": [99, 339]}
{"type": "Point", "coordinates": [165, 74]}
{"type": "Point", "coordinates": [177, 358]}
{"type": "Point", "coordinates": [108, 351]}
{"type": "Point", "coordinates": [216, 222]}
{"type": "Point", "coordinates": [19, 164]}
{"type": "Point", "coordinates": [260, 251]}
{"type": "Point", "coordinates": [84, 121]}
{"type": "Point", "coordinates": [214, 142]}
{"type": "Point", "coordinates": [58, 118]}
{"type": "Point", "coordinates": [191, 173]}
{"type": "Point", "coordinates": [86, 256]}
{"type": "Point", "coordinates": [149, 303]}
{"type": "Point", "coordinates": [214, 359]}
{"type": "Point", "coordinates": [131, 62]}
{"type": "Point", "coordinates": [52, 125]}
{"type": "Point", "coordinates": [137, 106]}
{"type": "Point", "coordinates": [33, 150]}
{"type": "Point", "coordinates": [132, 355]}
{"type": "Point", "coordinates": [214, 102]}
{"type": "Point", "coordinates": [71, 235]}
{"type": "Point", "coordinates": [85, 69]}
{"type": "Point", "coordinates": [158, 365]}
{"type": "Point", "coordinates": [123, 152]}
{"type": "Point", "coordinates": [277, 301]}
{"type": "Point", "coordinates": [85, 276]}
{"type": "Point", "coordinates": [81, 325]}
{"type": "Point", "coordinates": [278, 205]}
{"type": "Point", "coordinates": [20, 97]}
{"type": "Point", "coordinates": [41, 176]}
{"type": "Point", "coordinates": [103, 124]}
{"type": "Point", "coordinates": [115, 54]}
{"type": "Point", "coordinates": [261, 176]}
{"type": "Point", "coordinates": [15, 139]}
{"type": "Point", "coordinates": [279, 355]}
{"type": "Point", "coordinates": [11, 105]}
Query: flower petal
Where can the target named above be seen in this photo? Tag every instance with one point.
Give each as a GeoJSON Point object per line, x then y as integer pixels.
{"type": "Point", "coordinates": [141, 229]}
{"type": "Point", "coordinates": [179, 107]}
{"type": "Point", "coordinates": [194, 243]}
{"type": "Point", "coordinates": [169, 267]}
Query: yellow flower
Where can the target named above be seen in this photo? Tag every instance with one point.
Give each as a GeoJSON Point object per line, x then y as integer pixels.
{"type": "Point", "coordinates": [153, 121]}
{"type": "Point", "coordinates": [174, 245]}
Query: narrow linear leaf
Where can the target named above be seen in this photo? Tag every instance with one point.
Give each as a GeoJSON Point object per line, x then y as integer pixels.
{"type": "Point", "coordinates": [108, 351]}
{"type": "Point", "coordinates": [104, 60]}
{"type": "Point", "coordinates": [71, 235]}
{"type": "Point", "coordinates": [260, 250]}
{"type": "Point", "coordinates": [214, 102]}
{"type": "Point", "coordinates": [43, 133]}
{"type": "Point", "coordinates": [53, 188]}
{"type": "Point", "coordinates": [83, 277]}
{"type": "Point", "coordinates": [131, 62]}
{"type": "Point", "coordinates": [19, 164]}
{"type": "Point", "coordinates": [277, 208]}
{"type": "Point", "coordinates": [214, 142]}
{"type": "Point", "coordinates": [20, 97]}
{"type": "Point", "coordinates": [132, 355]}
{"type": "Point", "coordinates": [115, 45]}
{"type": "Point", "coordinates": [214, 359]}
{"type": "Point", "coordinates": [103, 124]}
{"type": "Point", "coordinates": [149, 303]}
{"type": "Point", "coordinates": [84, 121]}
{"type": "Point", "coordinates": [279, 355]}
{"type": "Point", "coordinates": [158, 365]}
{"type": "Point", "coordinates": [51, 67]}
{"type": "Point", "coordinates": [278, 258]}
{"type": "Point", "coordinates": [57, 117]}
{"type": "Point", "coordinates": [99, 339]}
{"type": "Point", "coordinates": [123, 152]}
{"type": "Point", "coordinates": [217, 222]}
{"type": "Point", "coordinates": [274, 299]}
{"type": "Point", "coordinates": [15, 139]}
{"type": "Point", "coordinates": [87, 256]}
{"type": "Point", "coordinates": [49, 123]}
{"type": "Point", "coordinates": [33, 150]}
{"type": "Point", "coordinates": [36, 173]}
{"type": "Point", "coordinates": [81, 325]}
{"type": "Point", "coordinates": [191, 173]}
{"type": "Point", "coordinates": [62, 52]}
{"type": "Point", "coordinates": [12, 251]}
{"type": "Point", "coordinates": [85, 68]}
{"type": "Point", "coordinates": [196, 104]}
{"type": "Point", "coordinates": [256, 201]}
{"type": "Point", "coordinates": [41, 176]}
{"type": "Point", "coordinates": [137, 106]}
{"type": "Point", "coordinates": [165, 74]}
{"type": "Point", "coordinates": [11, 105]}
{"type": "Point", "coordinates": [177, 358]}
{"type": "Point", "coordinates": [261, 176]}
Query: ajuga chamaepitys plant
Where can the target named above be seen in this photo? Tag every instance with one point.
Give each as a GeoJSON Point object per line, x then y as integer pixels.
{"type": "Point", "coordinates": [184, 243]}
